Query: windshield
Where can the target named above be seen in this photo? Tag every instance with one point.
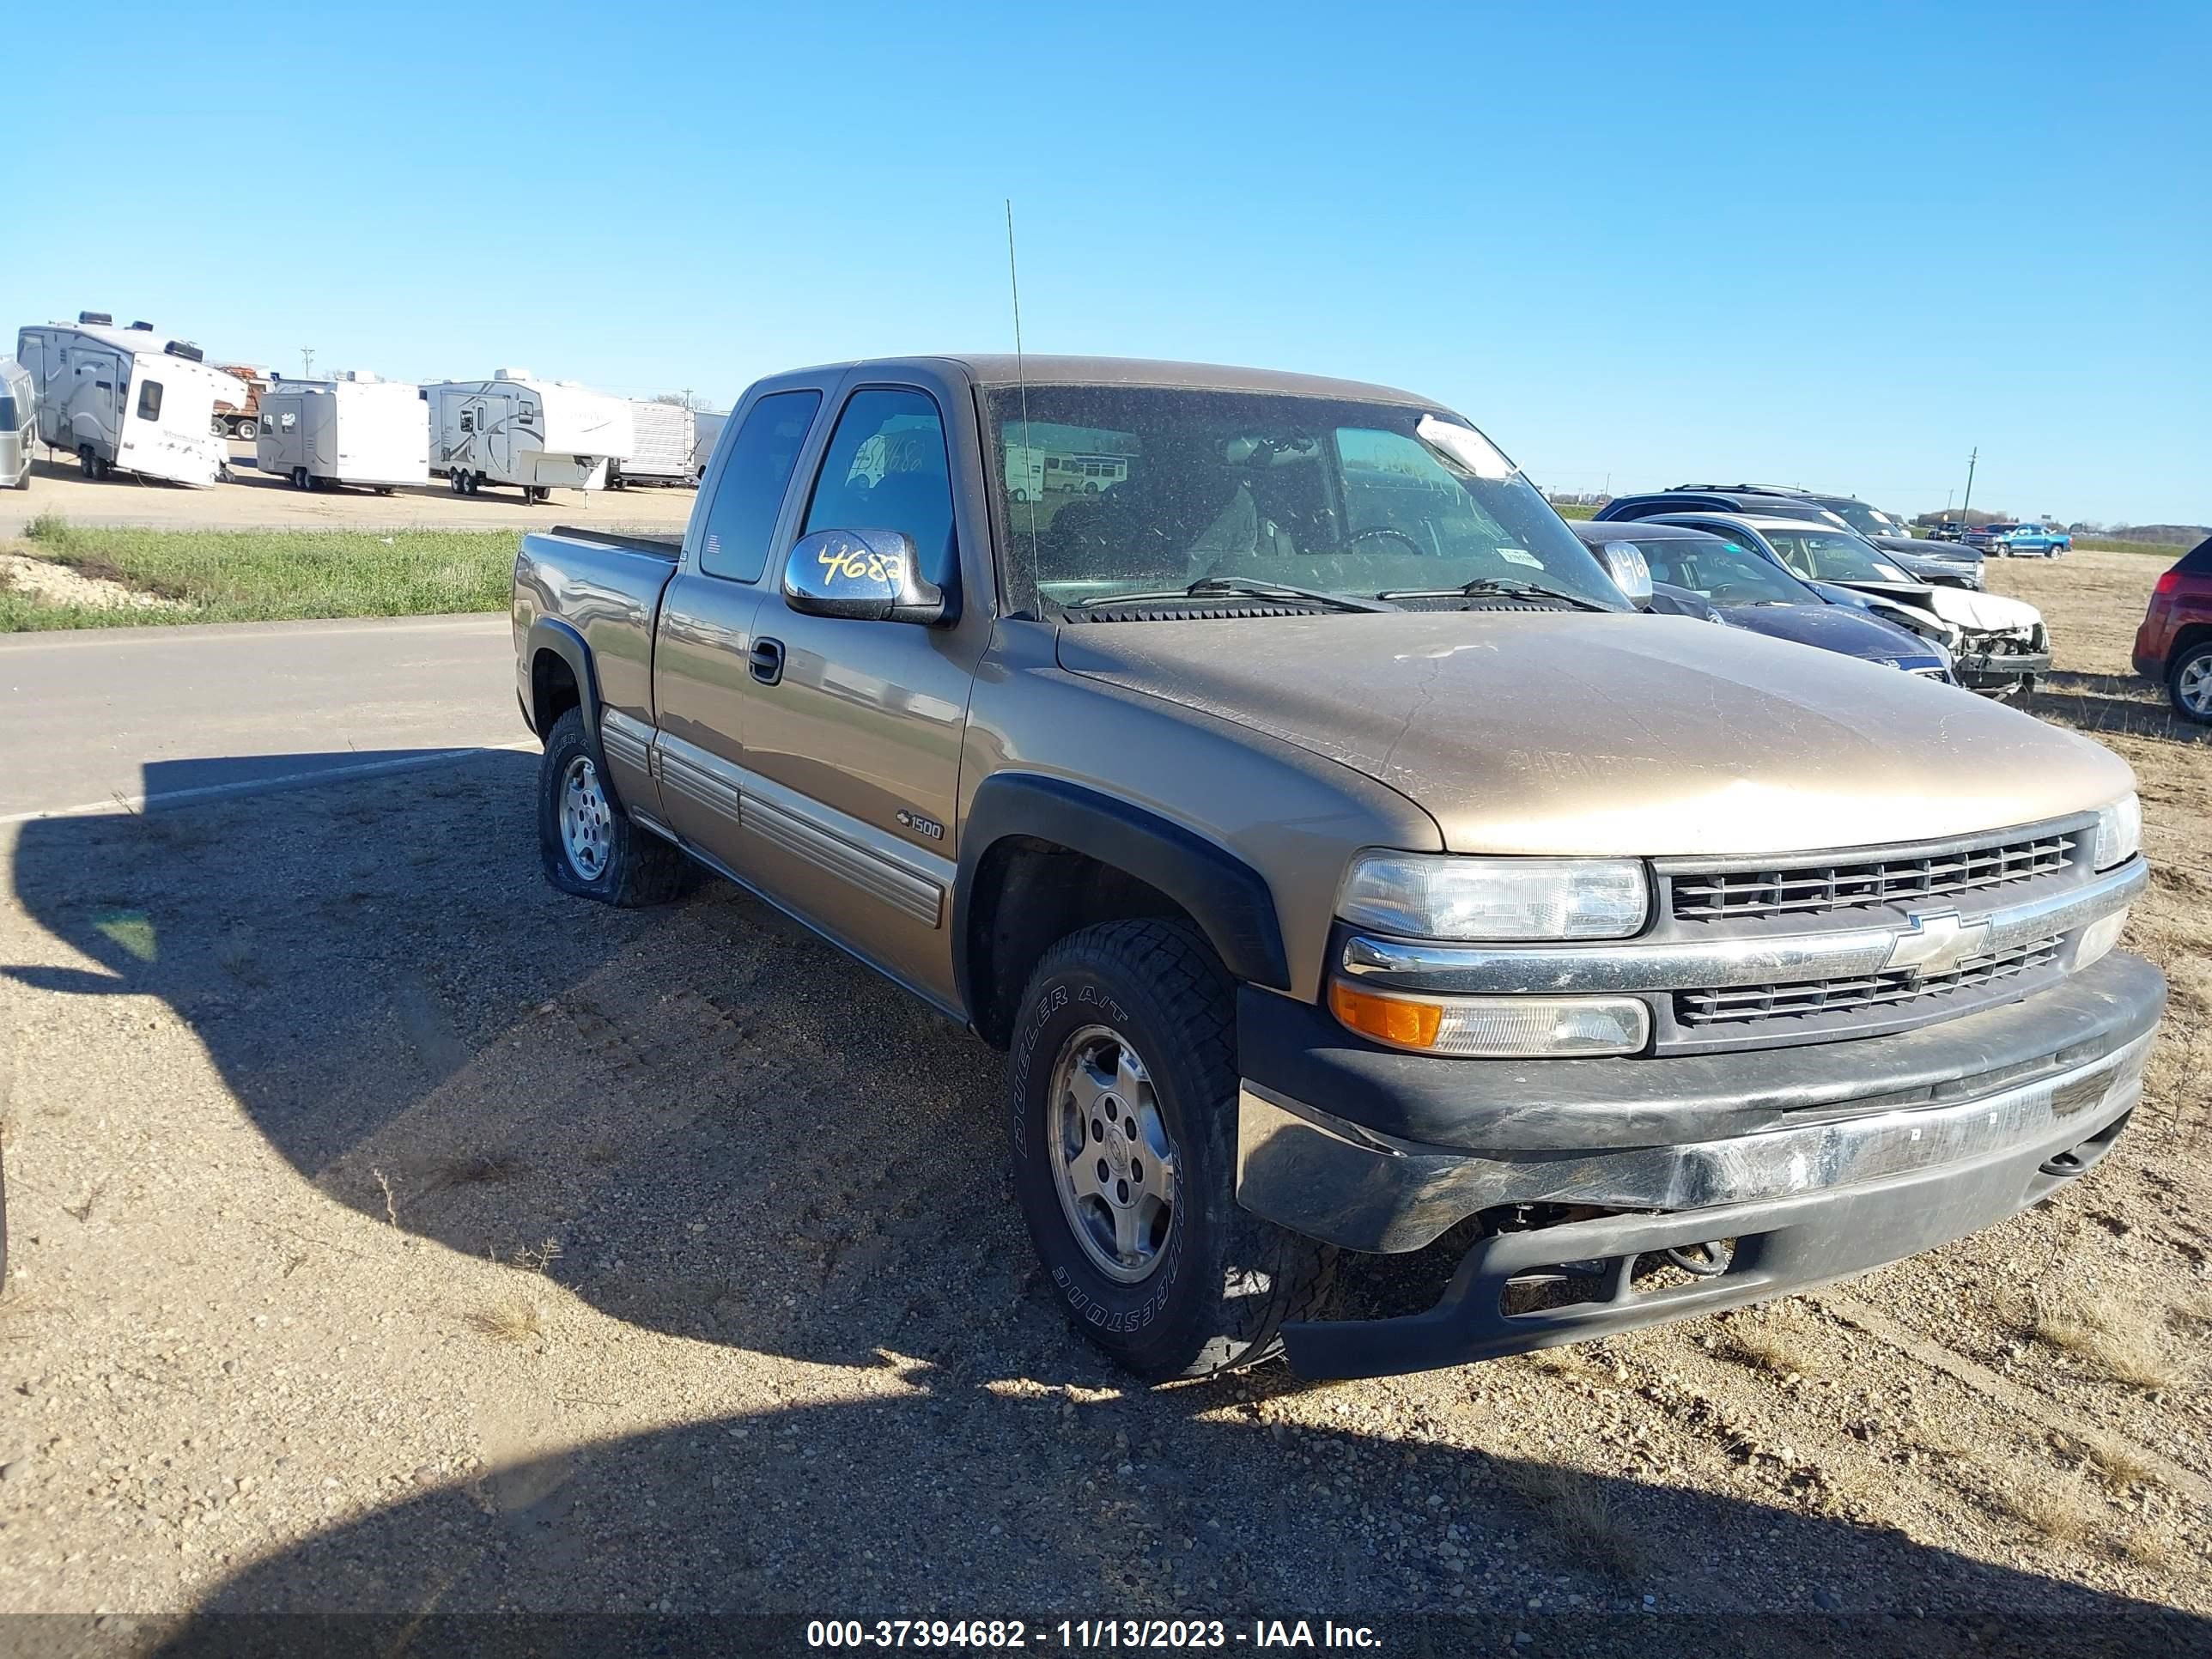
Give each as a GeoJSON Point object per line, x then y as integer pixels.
{"type": "Point", "coordinates": [1867, 520]}
{"type": "Point", "coordinates": [1821, 556]}
{"type": "Point", "coordinates": [1725, 572]}
{"type": "Point", "coordinates": [1138, 489]}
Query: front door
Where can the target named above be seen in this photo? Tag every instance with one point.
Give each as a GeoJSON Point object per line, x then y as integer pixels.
{"type": "Point", "coordinates": [853, 748]}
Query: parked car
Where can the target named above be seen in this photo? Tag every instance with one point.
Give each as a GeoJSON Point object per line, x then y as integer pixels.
{"type": "Point", "coordinates": [1998, 646]}
{"type": "Point", "coordinates": [2174, 644]}
{"type": "Point", "coordinates": [1928, 562]}
{"type": "Point", "coordinates": [1341, 861]}
{"type": "Point", "coordinates": [2028, 541]}
{"type": "Point", "coordinates": [1748, 590]}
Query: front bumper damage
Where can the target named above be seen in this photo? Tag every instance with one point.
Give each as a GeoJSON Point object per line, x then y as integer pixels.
{"type": "Point", "coordinates": [1816, 1162]}
{"type": "Point", "coordinates": [2000, 664]}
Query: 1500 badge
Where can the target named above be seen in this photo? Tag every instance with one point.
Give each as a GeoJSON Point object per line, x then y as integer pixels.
{"type": "Point", "coordinates": [928, 828]}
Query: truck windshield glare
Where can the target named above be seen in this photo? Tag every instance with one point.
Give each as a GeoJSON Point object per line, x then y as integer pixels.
{"type": "Point", "coordinates": [1112, 490]}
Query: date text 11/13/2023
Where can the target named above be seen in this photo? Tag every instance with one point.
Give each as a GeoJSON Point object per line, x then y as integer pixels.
{"type": "Point", "coordinates": [1087, 1635]}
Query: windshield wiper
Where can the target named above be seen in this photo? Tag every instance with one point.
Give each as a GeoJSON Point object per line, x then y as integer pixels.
{"type": "Point", "coordinates": [1487, 585]}
{"type": "Point", "coordinates": [1249, 586]}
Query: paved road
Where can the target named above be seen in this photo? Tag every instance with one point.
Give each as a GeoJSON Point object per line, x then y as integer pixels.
{"type": "Point", "coordinates": [179, 714]}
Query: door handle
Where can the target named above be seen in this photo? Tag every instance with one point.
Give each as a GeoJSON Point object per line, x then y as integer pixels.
{"type": "Point", "coordinates": [765, 661]}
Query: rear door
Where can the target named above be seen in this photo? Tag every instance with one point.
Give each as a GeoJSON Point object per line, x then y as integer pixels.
{"type": "Point", "coordinates": [854, 745]}
{"type": "Point", "coordinates": [702, 676]}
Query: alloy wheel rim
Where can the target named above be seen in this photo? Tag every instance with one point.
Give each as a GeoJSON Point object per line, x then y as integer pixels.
{"type": "Point", "coordinates": [587, 823]}
{"type": "Point", "coordinates": [1114, 1163]}
{"type": "Point", "coordinates": [2195, 687]}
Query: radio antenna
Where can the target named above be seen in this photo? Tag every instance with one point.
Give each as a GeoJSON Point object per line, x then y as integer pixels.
{"type": "Point", "coordinates": [1022, 380]}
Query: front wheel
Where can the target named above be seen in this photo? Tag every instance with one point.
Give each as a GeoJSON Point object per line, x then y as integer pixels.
{"type": "Point", "coordinates": [2190, 683]}
{"type": "Point", "coordinates": [588, 845]}
{"type": "Point", "coordinates": [1124, 1082]}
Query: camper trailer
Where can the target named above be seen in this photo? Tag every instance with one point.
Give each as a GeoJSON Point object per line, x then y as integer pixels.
{"type": "Point", "coordinates": [660, 452]}
{"type": "Point", "coordinates": [536, 435]}
{"type": "Point", "coordinates": [127, 399]}
{"type": "Point", "coordinates": [706, 432]}
{"type": "Point", "coordinates": [355, 429]}
{"type": "Point", "coordinates": [19, 423]}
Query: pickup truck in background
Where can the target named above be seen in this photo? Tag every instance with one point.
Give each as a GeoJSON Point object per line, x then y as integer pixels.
{"type": "Point", "coordinates": [1343, 865]}
{"type": "Point", "coordinates": [2020, 541]}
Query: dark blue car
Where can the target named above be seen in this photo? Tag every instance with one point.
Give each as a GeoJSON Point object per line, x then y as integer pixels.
{"type": "Point", "coordinates": [1745, 590]}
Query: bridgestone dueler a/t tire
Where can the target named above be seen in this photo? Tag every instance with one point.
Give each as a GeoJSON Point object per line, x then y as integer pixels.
{"type": "Point", "coordinates": [1228, 1281]}
{"type": "Point", "coordinates": [641, 869]}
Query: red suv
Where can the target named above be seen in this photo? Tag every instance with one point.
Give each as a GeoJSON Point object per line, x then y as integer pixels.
{"type": "Point", "coordinates": [2174, 643]}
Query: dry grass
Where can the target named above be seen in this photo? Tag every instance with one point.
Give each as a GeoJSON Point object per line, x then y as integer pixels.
{"type": "Point", "coordinates": [2151, 1552]}
{"type": "Point", "coordinates": [514, 1318]}
{"type": "Point", "coordinates": [2120, 1462]}
{"type": "Point", "coordinates": [1768, 1347]}
{"type": "Point", "coordinates": [2118, 1340]}
{"type": "Point", "coordinates": [1578, 1509]}
{"type": "Point", "coordinates": [474, 1170]}
{"type": "Point", "coordinates": [2060, 1508]}
{"type": "Point", "coordinates": [238, 958]}
{"type": "Point", "coordinates": [1569, 1361]}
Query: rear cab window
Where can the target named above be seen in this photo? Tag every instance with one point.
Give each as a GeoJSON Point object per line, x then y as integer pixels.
{"type": "Point", "coordinates": [749, 494]}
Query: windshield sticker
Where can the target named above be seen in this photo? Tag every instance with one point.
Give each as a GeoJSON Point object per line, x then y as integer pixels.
{"type": "Point", "coordinates": [1891, 572]}
{"type": "Point", "coordinates": [1521, 555]}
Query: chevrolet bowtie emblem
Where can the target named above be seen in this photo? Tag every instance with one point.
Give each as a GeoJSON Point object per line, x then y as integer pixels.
{"type": "Point", "coordinates": [1938, 943]}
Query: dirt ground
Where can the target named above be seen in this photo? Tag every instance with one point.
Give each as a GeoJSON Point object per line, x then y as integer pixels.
{"type": "Point", "coordinates": [253, 500]}
{"type": "Point", "coordinates": [393, 1235]}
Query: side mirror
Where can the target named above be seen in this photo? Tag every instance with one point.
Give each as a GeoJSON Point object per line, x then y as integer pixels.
{"type": "Point", "coordinates": [1624, 563]}
{"type": "Point", "coordinates": [863, 575]}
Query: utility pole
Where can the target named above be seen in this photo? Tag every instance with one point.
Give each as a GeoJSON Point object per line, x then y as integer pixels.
{"type": "Point", "coordinates": [307, 362]}
{"type": "Point", "coordinates": [688, 403]}
{"type": "Point", "coordinates": [1969, 501]}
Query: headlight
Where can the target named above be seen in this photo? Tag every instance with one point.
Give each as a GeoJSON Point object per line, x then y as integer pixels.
{"type": "Point", "coordinates": [2119, 832]}
{"type": "Point", "coordinates": [1440, 895]}
{"type": "Point", "coordinates": [1494, 1028]}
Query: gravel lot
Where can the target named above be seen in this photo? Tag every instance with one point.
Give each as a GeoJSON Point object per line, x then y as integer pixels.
{"type": "Point", "coordinates": [393, 1235]}
{"type": "Point", "coordinates": [253, 500]}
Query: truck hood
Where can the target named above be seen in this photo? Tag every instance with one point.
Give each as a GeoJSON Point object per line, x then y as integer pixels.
{"type": "Point", "coordinates": [1619, 735]}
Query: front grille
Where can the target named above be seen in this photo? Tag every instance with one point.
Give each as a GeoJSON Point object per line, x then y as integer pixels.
{"type": "Point", "coordinates": [1736, 1005]}
{"type": "Point", "coordinates": [1820, 888]}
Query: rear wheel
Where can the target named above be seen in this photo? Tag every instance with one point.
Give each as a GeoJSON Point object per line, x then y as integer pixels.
{"type": "Point", "coordinates": [587, 842]}
{"type": "Point", "coordinates": [2190, 682]}
{"type": "Point", "coordinates": [87, 460]}
{"type": "Point", "coordinates": [1124, 1082]}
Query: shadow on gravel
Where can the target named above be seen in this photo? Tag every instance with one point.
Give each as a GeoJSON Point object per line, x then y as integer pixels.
{"type": "Point", "coordinates": [704, 1121]}
{"type": "Point", "coordinates": [960, 1502]}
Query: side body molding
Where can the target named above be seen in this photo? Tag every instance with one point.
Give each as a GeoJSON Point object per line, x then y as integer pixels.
{"type": "Point", "coordinates": [1227, 897]}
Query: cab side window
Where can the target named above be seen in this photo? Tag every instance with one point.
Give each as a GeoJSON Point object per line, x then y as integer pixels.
{"type": "Point", "coordinates": [886, 469]}
{"type": "Point", "coordinates": [762, 457]}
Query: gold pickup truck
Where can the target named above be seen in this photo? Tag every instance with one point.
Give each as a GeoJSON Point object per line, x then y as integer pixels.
{"type": "Point", "coordinates": [1344, 861]}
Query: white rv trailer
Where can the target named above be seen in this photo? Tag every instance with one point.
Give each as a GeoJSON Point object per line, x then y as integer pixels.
{"type": "Point", "coordinates": [512, 429]}
{"type": "Point", "coordinates": [706, 432]}
{"type": "Point", "coordinates": [660, 452]}
{"type": "Point", "coordinates": [19, 423]}
{"type": "Point", "coordinates": [355, 429]}
{"type": "Point", "coordinates": [127, 399]}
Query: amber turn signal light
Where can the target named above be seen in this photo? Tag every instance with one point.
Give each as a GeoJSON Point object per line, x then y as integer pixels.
{"type": "Point", "coordinates": [1408, 1024]}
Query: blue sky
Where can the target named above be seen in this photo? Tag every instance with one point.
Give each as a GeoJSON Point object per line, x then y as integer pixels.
{"type": "Point", "coordinates": [1636, 244]}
